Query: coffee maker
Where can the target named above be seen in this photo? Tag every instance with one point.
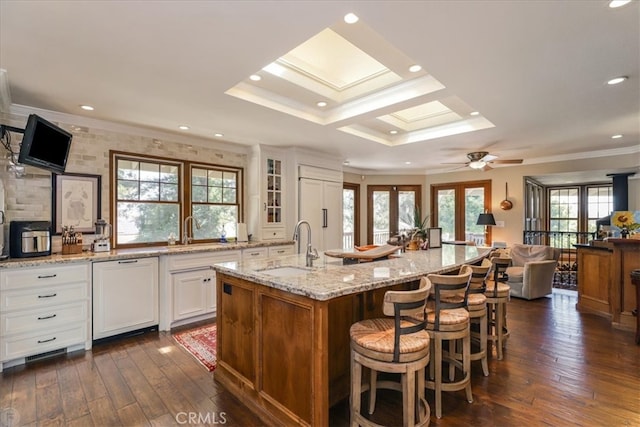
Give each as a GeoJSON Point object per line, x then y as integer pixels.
{"type": "Point", "coordinates": [102, 240]}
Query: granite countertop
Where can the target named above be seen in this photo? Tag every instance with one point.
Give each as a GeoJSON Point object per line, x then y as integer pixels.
{"type": "Point", "coordinates": [329, 278]}
{"type": "Point", "coordinates": [119, 254]}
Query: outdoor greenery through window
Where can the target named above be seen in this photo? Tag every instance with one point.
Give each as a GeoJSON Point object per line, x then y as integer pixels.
{"type": "Point", "coordinates": [151, 200]}
{"type": "Point", "coordinates": [576, 209]}
{"type": "Point", "coordinates": [214, 201]}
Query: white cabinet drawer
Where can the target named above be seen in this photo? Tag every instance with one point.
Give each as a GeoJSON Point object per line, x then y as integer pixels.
{"type": "Point", "coordinates": [43, 276]}
{"type": "Point", "coordinates": [36, 343]}
{"type": "Point", "coordinates": [273, 234]}
{"type": "Point", "coordinates": [281, 250]}
{"type": "Point", "coordinates": [43, 320]}
{"type": "Point", "coordinates": [45, 296]}
{"type": "Point", "coordinates": [201, 260]}
{"type": "Point", "coordinates": [254, 253]}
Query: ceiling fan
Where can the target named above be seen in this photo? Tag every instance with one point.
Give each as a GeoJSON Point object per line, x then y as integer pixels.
{"type": "Point", "coordinates": [481, 159]}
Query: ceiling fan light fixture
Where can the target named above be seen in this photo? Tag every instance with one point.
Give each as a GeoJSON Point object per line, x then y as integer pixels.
{"type": "Point", "coordinates": [477, 164]}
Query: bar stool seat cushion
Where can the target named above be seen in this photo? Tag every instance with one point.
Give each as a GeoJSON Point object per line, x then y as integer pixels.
{"type": "Point", "coordinates": [450, 319]}
{"type": "Point", "coordinates": [476, 301]}
{"type": "Point", "coordinates": [375, 338]}
{"type": "Point", "coordinates": [503, 289]}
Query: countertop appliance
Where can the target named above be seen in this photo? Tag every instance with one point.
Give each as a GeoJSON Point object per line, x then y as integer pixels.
{"type": "Point", "coordinates": [29, 239]}
{"type": "Point", "coordinates": [102, 241]}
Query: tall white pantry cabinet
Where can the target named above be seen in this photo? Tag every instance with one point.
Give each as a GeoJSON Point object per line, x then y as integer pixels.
{"type": "Point", "coordinates": [320, 203]}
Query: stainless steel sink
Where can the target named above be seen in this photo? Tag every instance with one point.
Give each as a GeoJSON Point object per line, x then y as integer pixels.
{"type": "Point", "coordinates": [285, 271]}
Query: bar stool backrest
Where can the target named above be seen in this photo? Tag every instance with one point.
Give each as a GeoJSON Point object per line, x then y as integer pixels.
{"type": "Point", "coordinates": [408, 310]}
{"type": "Point", "coordinates": [500, 265]}
{"type": "Point", "coordinates": [479, 276]}
{"type": "Point", "coordinates": [447, 289]}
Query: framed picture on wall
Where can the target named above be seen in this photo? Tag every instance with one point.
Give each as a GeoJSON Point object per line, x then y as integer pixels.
{"type": "Point", "coordinates": [435, 237]}
{"type": "Point", "coordinates": [75, 202]}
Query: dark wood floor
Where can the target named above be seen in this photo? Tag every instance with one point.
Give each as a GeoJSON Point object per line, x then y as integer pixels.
{"type": "Point", "coordinates": [561, 368]}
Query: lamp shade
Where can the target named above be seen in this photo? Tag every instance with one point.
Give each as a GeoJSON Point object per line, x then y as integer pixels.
{"type": "Point", "coordinates": [486, 219]}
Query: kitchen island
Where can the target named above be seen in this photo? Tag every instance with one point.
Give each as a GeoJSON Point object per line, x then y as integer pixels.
{"type": "Point", "coordinates": [283, 328]}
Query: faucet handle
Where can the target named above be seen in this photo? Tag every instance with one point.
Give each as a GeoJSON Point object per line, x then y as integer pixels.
{"type": "Point", "coordinates": [314, 253]}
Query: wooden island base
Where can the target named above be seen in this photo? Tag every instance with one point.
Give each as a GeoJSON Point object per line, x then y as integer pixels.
{"type": "Point", "coordinates": [287, 356]}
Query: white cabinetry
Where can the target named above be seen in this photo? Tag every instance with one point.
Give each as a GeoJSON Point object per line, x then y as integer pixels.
{"type": "Point", "coordinates": [191, 294]}
{"type": "Point", "coordinates": [267, 194]}
{"type": "Point", "coordinates": [320, 203]}
{"type": "Point", "coordinates": [43, 309]}
{"type": "Point", "coordinates": [125, 296]}
{"type": "Point", "coordinates": [281, 250]}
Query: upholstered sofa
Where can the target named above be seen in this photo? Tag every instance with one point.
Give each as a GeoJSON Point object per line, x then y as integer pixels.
{"type": "Point", "coordinates": [531, 272]}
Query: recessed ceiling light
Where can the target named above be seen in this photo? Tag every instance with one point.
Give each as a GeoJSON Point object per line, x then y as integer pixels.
{"type": "Point", "coordinates": [617, 3]}
{"type": "Point", "coordinates": [255, 77]}
{"type": "Point", "coordinates": [474, 113]}
{"type": "Point", "coordinates": [617, 80]}
{"type": "Point", "coordinates": [415, 68]}
{"type": "Point", "coordinates": [321, 104]}
{"type": "Point", "coordinates": [351, 18]}
{"type": "Point", "coordinates": [393, 132]}
{"type": "Point", "coordinates": [183, 127]}
{"type": "Point", "coordinates": [407, 163]}
{"type": "Point", "coordinates": [346, 162]}
{"type": "Point", "coordinates": [218, 135]}
{"type": "Point", "coordinates": [618, 136]}
{"type": "Point", "coordinates": [87, 107]}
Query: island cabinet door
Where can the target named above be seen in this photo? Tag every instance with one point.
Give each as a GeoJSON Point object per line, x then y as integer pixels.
{"type": "Point", "coordinates": [236, 334]}
{"type": "Point", "coordinates": [287, 355]}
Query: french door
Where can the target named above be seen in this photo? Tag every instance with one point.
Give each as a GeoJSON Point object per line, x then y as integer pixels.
{"type": "Point", "coordinates": [390, 210]}
{"type": "Point", "coordinates": [456, 207]}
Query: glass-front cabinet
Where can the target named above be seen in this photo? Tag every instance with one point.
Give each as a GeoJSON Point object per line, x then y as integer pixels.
{"type": "Point", "coordinates": [273, 201]}
{"type": "Point", "coordinates": [267, 198]}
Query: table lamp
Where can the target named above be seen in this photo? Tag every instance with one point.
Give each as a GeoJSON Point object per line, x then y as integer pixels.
{"type": "Point", "coordinates": [486, 219]}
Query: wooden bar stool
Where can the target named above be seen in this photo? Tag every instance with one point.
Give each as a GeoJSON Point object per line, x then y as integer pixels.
{"type": "Point", "coordinates": [477, 305]}
{"type": "Point", "coordinates": [448, 320]}
{"type": "Point", "coordinates": [399, 344]}
{"type": "Point", "coordinates": [497, 294]}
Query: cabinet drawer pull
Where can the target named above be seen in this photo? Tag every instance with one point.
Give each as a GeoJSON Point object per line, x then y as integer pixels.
{"type": "Point", "coordinates": [44, 341]}
{"type": "Point", "coordinates": [280, 251]}
{"type": "Point", "coordinates": [132, 261]}
{"type": "Point", "coordinates": [50, 276]}
{"type": "Point", "coordinates": [254, 253]}
{"type": "Point", "coordinates": [47, 317]}
{"type": "Point", "coordinates": [47, 296]}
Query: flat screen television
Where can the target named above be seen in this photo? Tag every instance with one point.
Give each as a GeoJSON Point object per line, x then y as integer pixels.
{"type": "Point", "coordinates": [44, 145]}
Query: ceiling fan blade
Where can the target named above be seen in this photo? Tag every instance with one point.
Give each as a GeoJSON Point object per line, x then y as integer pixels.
{"type": "Point", "coordinates": [455, 163]}
{"type": "Point", "coordinates": [489, 158]}
{"type": "Point", "coordinates": [508, 162]}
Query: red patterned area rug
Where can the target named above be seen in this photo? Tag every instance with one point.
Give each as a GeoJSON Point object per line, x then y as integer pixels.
{"type": "Point", "coordinates": [201, 343]}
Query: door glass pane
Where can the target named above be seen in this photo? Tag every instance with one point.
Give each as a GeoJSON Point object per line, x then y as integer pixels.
{"type": "Point", "coordinates": [348, 218]}
{"type": "Point", "coordinates": [381, 201]}
{"type": "Point", "coordinates": [406, 210]}
{"type": "Point", "coordinates": [447, 213]}
{"type": "Point", "coordinates": [473, 207]}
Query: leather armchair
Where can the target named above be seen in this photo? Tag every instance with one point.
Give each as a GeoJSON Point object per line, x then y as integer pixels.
{"type": "Point", "coordinates": [531, 272]}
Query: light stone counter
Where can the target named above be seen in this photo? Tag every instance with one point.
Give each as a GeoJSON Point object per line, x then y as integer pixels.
{"type": "Point", "coordinates": [118, 254]}
{"type": "Point", "coordinates": [329, 278]}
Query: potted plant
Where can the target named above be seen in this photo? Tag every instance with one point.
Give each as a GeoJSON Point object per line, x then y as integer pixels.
{"type": "Point", "coordinates": [419, 231]}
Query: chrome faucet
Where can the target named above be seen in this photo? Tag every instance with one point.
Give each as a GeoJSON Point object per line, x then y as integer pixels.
{"type": "Point", "coordinates": [185, 238]}
{"type": "Point", "coordinates": [311, 253]}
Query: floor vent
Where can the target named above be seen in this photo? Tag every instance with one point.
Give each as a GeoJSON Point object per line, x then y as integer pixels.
{"type": "Point", "coordinates": [45, 355]}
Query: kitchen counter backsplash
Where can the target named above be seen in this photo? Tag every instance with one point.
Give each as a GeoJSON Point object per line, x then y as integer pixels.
{"type": "Point", "coordinates": [116, 254]}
